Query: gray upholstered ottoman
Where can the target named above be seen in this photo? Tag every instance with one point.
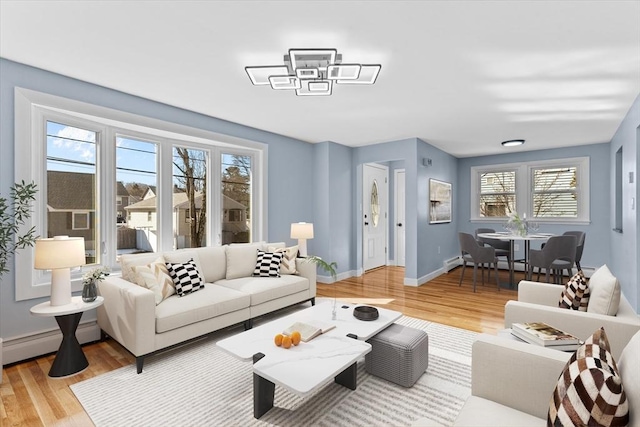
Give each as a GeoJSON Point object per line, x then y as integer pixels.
{"type": "Point", "coordinates": [398, 354]}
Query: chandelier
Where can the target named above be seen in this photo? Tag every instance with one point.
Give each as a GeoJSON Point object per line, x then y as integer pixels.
{"type": "Point", "coordinates": [312, 72]}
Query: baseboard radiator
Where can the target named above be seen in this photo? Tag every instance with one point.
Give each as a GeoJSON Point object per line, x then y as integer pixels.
{"type": "Point", "coordinates": [451, 263]}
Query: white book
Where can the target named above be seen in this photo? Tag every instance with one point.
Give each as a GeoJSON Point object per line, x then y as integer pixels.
{"type": "Point", "coordinates": [309, 330]}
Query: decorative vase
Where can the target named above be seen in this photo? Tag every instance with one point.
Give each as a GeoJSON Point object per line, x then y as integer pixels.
{"type": "Point", "coordinates": [89, 291]}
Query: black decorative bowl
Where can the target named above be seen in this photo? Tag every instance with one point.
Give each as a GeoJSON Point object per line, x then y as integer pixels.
{"type": "Point", "coordinates": [364, 312]}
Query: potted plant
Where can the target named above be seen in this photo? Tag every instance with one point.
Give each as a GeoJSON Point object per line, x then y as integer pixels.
{"type": "Point", "coordinates": [329, 267]}
{"type": "Point", "coordinates": [14, 212]}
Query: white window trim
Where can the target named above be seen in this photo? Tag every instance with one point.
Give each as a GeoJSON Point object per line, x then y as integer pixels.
{"type": "Point", "coordinates": [30, 165]}
{"type": "Point", "coordinates": [73, 220]}
{"type": "Point", "coordinates": [524, 192]}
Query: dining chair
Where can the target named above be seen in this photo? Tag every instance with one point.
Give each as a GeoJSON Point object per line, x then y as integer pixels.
{"type": "Point", "coordinates": [502, 247]}
{"type": "Point", "coordinates": [558, 254]}
{"type": "Point", "coordinates": [580, 236]}
{"type": "Point", "coordinates": [474, 253]}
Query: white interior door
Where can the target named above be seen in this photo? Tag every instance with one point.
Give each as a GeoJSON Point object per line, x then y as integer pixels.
{"type": "Point", "coordinates": [399, 217]}
{"type": "Point", "coordinates": [375, 196]}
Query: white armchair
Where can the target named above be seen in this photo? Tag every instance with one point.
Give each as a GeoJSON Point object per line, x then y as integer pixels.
{"type": "Point", "coordinates": [538, 302]}
{"type": "Point", "coordinates": [512, 383]}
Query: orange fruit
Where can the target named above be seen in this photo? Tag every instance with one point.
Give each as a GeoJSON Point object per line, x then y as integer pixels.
{"type": "Point", "coordinates": [278, 339]}
{"type": "Point", "coordinates": [295, 337]}
{"type": "Point", "coordinates": [286, 341]}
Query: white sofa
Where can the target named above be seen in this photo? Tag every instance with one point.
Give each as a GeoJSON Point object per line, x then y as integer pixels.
{"type": "Point", "coordinates": [538, 302]}
{"type": "Point", "coordinates": [231, 295]}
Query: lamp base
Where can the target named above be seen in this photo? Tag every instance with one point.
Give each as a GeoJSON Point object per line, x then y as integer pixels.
{"type": "Point", "coordinates": [60, 286]}
{"type": "Point", "coordinates": [302, 247]}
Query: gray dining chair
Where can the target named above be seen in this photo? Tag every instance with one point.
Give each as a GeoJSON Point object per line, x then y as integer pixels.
{"type": "Point", "coordinates": [502, 247]}
{"type": "Point", "coordinates": [580, 237]}
{"type": "Point", "coordinates": [472, 252]}
{"type": "Point", "coordinates": [558, 254]}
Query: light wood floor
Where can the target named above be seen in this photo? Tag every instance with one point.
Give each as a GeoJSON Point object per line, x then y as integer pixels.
{"type": "Point", "coordinates": [31, 398]}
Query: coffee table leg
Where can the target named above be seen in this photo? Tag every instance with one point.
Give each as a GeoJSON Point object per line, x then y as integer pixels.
{"type": "Point", "coordinates": [348, 377]}
{"type": "Point", "coordinates": [263, 392]}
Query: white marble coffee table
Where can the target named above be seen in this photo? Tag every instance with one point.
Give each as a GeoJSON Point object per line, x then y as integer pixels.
{"type": "Point", "coordinates": [309, 366]}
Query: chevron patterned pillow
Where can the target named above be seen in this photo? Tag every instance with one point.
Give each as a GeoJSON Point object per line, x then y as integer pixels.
{"type": "Point", "coordinates": [575, 294]}
{"type": "Point", "coordinates": [288, 264]}
{"type": "Point", "coordinates": [268, 264]}
{"type": "Point", "coordinates": [589, 390]}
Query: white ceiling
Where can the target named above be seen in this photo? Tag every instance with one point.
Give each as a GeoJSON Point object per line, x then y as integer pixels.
{"type": "Point", "coordinates": [461, 75]}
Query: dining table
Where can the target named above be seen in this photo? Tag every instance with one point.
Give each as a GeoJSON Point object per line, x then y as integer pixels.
{"type": "Point", "coordinates": [513, 238]}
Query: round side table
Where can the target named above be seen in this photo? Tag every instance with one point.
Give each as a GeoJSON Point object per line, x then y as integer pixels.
{"type": "Point", "coordinates": [70, 358]}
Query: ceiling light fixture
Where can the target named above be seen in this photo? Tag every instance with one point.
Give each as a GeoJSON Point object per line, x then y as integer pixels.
{"type": "Point", "coordinates": [312, 72]}
{"type": "Point", "coordinates": [512, 142]}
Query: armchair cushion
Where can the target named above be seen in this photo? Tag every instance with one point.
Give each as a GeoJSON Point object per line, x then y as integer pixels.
{"type": "Point", "coordinates": [605, 292]}
{"type": "Point", "coordinates": [575, 294]}
{"type": "Point", "coordinates": [589, 390]}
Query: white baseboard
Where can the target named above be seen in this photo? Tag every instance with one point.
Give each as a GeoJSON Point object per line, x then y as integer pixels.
{"type": "Point", "coordinates": [26, 347]}
{"type": "Point", "coordinates": [339, 276]}
{"type": "Point", "coordinates": [424, 279]}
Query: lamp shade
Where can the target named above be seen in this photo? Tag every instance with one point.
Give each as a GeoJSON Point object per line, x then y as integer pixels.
{"type": "Point", "coordinates": [59, 252]}
{"type": "Point", "coordinates": [302, 230]}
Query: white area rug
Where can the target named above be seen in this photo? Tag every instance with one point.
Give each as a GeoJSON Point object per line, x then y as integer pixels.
{"type": "Point", "coordinates": [200, 385]}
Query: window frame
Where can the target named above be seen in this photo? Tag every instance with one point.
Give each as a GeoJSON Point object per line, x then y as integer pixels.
{"type": "Point", "coordinates": [33, 109]}
{"type": "Point", "coordinates": [87, 220]}
{"type": "Point", "coordinates": [524, 189]}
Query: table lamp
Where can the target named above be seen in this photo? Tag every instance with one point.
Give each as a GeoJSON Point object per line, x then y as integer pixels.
{"type": "Point", "coordinates": [302, 231]}
{"type": "Point", "coordinates": [59, 254]}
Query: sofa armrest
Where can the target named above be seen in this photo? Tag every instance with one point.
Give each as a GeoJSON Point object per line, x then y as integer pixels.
{"type": "Point", "coordinates": [307, 269]}
{"type": "Point", "coordinates": [539, 293]}
{"type": "Point", "coordinates": [619, 328]}
{"type": "Point", "coordinates": [515, 374]}
{"type": "Point", "coordinates": [128, 314]}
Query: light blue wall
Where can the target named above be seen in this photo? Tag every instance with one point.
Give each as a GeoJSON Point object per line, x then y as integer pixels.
{"type": "Point", "coordinates": [597, 244]}
{"type": "Point", "coordinates": [289, 196]}
{"type": "Point", "coordinates": [625, 253]}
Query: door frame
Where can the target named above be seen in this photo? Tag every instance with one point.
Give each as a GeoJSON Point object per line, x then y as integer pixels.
{"type": "Point", "coordinates": [396, 172]}
{"type": "Point", "coordinates": [365, 193]}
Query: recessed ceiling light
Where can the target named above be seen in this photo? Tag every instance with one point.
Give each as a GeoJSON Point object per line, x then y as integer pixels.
{"type": "Point", "coordinates": [512, 142]}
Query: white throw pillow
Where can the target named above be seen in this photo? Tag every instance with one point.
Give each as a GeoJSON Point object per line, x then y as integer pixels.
{"type": "Point", "coordinates": [155, 277]}
{"type": "Point", "coordinates": [605, 292]}
{"type": "Point", "coordinates": [288, 264]}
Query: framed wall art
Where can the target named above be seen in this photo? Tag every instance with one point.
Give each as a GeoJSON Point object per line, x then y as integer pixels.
{"type": "Point", "coordinates": [439, 201]}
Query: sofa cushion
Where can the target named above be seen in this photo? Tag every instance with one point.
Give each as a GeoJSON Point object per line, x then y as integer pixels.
{"type": "Point", "coordinates": [156, 278]}
{"type": "Point", "coordinates": [605, 292]}
{"type": "Point", "coordinates": [263, 289]}
{"type": "Point", "coordinates": [207, 303]}
{"type": "Point", "coordinates": [184, 255]}
{"type": "Point", "coordinates": [288, 264]}
{"type": "Point", "coordinates": [213, 262]}
{"type": "Point", "coordinates": [268, 264]}
{"type": "Point", "coordinates": [575, 294]}
{"type": "Point", "coordinates": [185, 276]}
{"type": "Point", "coordinates": [241, 260]}
{"type": "Point", "coordinates": [589, 390]}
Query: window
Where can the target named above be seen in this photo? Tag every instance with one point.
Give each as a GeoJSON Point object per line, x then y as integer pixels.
{"type": "Point", "coordinates": [497, 193]}
{"type": "Point", "coordinates": [236, 198]}
{"type": "Point", "coordinates": [550, 191]}
{"type": "Point", "coordinates": [125, 182]}
{"type": "Point", "coordinates": [80, 221]}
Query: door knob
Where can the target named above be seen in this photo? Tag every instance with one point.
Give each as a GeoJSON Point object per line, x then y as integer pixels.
{"type": "Point", "coordinates": [366, 223]}
{"type": "Point", "coordinates": [399, 224]}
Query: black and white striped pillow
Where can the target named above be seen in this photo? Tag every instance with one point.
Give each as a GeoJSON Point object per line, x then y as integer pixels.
{"type": "Point", "coordinates": [185, 277]}
{"type": "Point", "coordinates": [268, 264]}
